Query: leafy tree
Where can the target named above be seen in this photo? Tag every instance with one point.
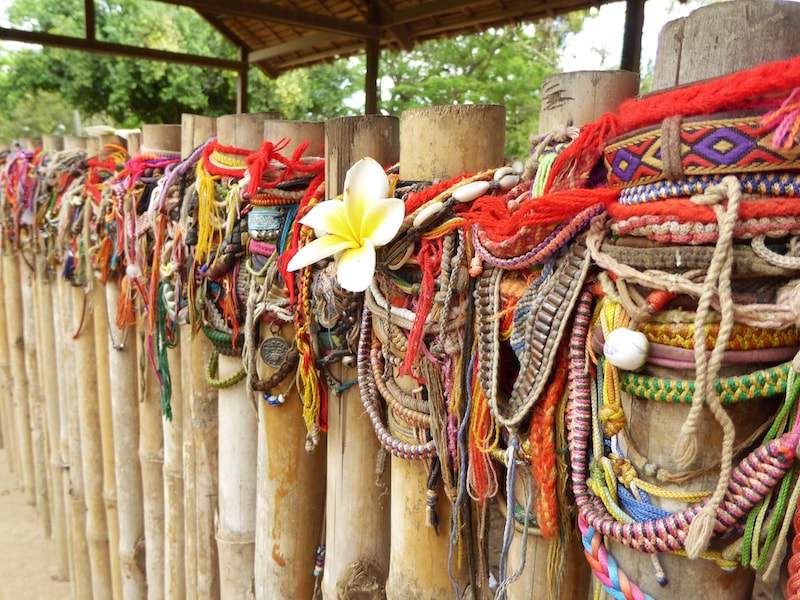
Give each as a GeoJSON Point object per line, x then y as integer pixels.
{"type": "Point", "coordinates": [38, 87]}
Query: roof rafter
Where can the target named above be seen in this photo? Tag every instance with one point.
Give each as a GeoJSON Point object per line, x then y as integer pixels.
{"type": "Point", "coordinates": [283, 14]}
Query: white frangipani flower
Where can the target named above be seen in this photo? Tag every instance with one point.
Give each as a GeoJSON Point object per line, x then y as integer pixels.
{"type": "Point", "coordinates": [350, 229]}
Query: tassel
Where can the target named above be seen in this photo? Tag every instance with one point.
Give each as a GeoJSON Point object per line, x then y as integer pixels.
{"type": "Point", "coordinates": [787, 119]}
{"type": "Point", "coordinates": [700, 531]}
{"type": "Point", "coordinates": [125, 310]}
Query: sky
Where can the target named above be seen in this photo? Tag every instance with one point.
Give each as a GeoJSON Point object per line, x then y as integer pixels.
{"type": "Point", "coordinates": [593, 47]}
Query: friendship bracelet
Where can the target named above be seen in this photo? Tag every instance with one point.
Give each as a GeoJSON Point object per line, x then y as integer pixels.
{"type": "Point", "coordinates": [696, 146]}
{"type": "Point", "coordinates": [765, 184]}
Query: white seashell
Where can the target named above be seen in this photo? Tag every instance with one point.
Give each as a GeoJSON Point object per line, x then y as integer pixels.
{"type": "Point", "coordinates": [509, 181]}
{"type": "Point", "coordinates": [502, 172]}
{"type": "Point", "coordinates": [626, 349]}
{"type": "Point", "coordinates": [518, 167]}
{"type": "Point", "coordinates": [471, 191]}
{"type": "Point", "coordinates": [427, 213]}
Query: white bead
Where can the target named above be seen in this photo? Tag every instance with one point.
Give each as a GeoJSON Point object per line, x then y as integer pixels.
{"type": "Point", "coordinates": [427, 213]}
{"type": "Point", "coordinates": [471, 191]}
{"type": "Point", "coordinates": [626, 349]}
{"type": "Point", "coordinates": [509, 181]}
{"type": "Point", "coordinates": [133, 271]}
{"type": "Point", "coordinates": [502, 172]}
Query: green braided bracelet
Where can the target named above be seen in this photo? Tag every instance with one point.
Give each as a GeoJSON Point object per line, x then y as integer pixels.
{"type": "Point", "coordinates": [759, 384]}
{"type": "Point", "coordinates": [221, 384]}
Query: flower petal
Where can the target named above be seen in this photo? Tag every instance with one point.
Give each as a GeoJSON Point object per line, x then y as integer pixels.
{"type": "Point", "coordinates": [382, 221]}
{"type": "Point", "coordinates": [329, 216]}
{"type": "Point", "coordinates": [317, 250]}
{"type": "Point", "coordinates": [355, 267]}
{"type": "Point", "coordinates": [365, 182]}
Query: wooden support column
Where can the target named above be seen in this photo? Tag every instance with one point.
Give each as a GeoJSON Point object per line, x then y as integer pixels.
{"type": "Point", "coordinates": [99, 312]}
{"type": "Point", "coordinates": [431, 144]}
{"type": "Point", "coordinates": [52, 142]}
{"type": "Point", "coordinates": [238, 427]}
{"type": "Point", "coordinates": [50, 389]}
{"type": "Point", "coordinates": [355, 565]}
{"type": "Point", "coordinates": [34, 399]}
{"type": "Point", "coordinates": [6, 388]}
{"type": "Point", "coordinates": [199, 416]}
{"type": "Point", "coordinates": [632, 37]}
{"type": "Point", "coordinates": [290, 496]}
{"type": "Point", "coordinates": [124, 415]}
{"type": "Point", "coordinates": [242, 83]}
{"type": "Point", "coordinates": [711, 42]}
{"type": "Point", "coordinates": [568, 99]}
{"type": "Point", "coordinates": [90, 442]}
{"type": "Point", "coordinates": [16, 343]}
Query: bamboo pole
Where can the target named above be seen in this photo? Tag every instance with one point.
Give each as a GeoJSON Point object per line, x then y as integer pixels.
{"type": "Point", "coordinates": [6, 388]}
{"type": "Point", "coordinates": [200, 552]}
{"type": "Point", "coordinates": [685, 56]}
{"type": "Point", "coordinates": [568, 99]}
{"type": "Point", "coordinates": [206, 444]}
{"type": "Point", "coordinates": [62, 446]}
{"type": "Point", "coordinates": [290, 491]}
{"type": "Point", "coordinates": [167, 138]}
{"type": "Point", "coordinates": [47, 359]}
{"type": "Point", "coordinates": [357, 498]}
{"type": "Point", "coordinates": [418, 564]}
{"type": "Point", "coordinates": [35, 404]}
{"type": "Point", "coordinates": [124, 415]}
{"type": "Point", "coordinates": [91, 443]}
{"type": "Point", "coordinates": [76, 504]}
{"type": "Point", "coordinates": [16, 343]}
{"type": "Point", "coordinates": [100, 330]}
{"type": "Point", "coordinates": [151, 459]}
{"type": "Point", "coordinates": [237, 428]}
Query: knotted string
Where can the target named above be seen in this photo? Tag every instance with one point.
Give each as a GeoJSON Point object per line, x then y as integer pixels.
{"type": "Point", "coordinates": [717, 282]}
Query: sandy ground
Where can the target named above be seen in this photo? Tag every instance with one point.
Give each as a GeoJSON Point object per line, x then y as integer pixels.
{"type": "Point", "coordinates": [24, 552]}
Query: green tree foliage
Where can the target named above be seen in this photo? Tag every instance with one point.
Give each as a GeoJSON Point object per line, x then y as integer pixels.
{"type": "Point", "coordinates": [39, 88]}
{"type": "Point", "coordinates": [502, 66]}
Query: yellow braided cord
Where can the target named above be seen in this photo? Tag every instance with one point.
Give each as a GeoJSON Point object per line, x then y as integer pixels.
{"type": "Point", "coordinates": [627, 475]}
{"type": "Point", "coordinates": [228, 161]}
{"type": "Point", "coordinates": [612, 416]}
{"type": "Point", "coordinates": [743, 337]}
{"type": "Point", "coordinates": [208, 214]}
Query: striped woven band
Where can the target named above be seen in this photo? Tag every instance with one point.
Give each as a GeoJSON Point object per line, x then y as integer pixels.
{"type": "Point", "coordinates": [709, 146]}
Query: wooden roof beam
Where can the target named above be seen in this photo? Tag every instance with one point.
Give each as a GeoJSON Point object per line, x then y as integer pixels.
{"type": "Point", "coordinates": [283, 14]}
{"type": "Point", "coordinates": [430, 9]}
{"type": "Point", "coordinates": [305, 42]}
{"type": "Point", "coordinates": [98, 47]}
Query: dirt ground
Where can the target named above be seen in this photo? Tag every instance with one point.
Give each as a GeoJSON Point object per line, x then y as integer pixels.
{"type": "Point", "coordinates": [25, 554]}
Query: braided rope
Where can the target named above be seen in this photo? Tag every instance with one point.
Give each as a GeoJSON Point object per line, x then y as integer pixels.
{"type": "Point", "coordinates": [764, 383]}
{"type": "Point", "coordinates": [752, 479]}
{"type": "Point", "coordinates": [743, 338]}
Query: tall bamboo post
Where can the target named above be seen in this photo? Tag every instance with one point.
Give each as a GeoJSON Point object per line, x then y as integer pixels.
{"type": "Point", "coordinates": [356, 497]}
{"type": "Point", "coordinates": [167, 138]}
{"type": "Point", "coordinates": [568, 99]}
{"type": "Point", "coordinates": [128, 474]}
{"type": "Point", "coordinates": [6, 388]}
{"type": "Point", "coordinates": [50, 388]}
{"type": "Point", "coordinates": [418, 563]}
{"type": "Point", "coordinates": [90, 442]}
{"type": "Point", "coordinates": [59, 341]}
{"type": "Point", "coordinates": [151, 431]}
{"type": "Point", "coordinates": [685, 56]}
{"type": "Point", "coordinates": [100, 329]}
{"type": "Point", "coordinates": [199, 429]}
{"type": "Point", "coordinates": [238, 429]}
{"type": "Point", "coordinates": [92, 146]}
{"type": "Point", "coordinates": [76, 503]}
{"type": "Point", "coordinates": [35, 403]}
{"type": "Point", "coordinates": [290, 481]}
{"type": "Point", "coordinates": [50, 143]}
{"type": "Point", "coordinates": [134, 143]}
{"type": "Point", "coordinates": [74, 142]}
{"type": "Point", "coordinates": [16, 346]}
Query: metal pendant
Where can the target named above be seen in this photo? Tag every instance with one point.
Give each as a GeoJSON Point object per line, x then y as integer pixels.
{"type": "Point", "coordinates": [274, 351]}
